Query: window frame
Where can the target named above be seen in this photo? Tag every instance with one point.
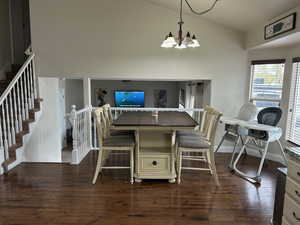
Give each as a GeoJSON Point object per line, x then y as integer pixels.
{"type": "Point", "coordinates": [263, 62]}
{"type": "Point", "coordinates": [291, 101]}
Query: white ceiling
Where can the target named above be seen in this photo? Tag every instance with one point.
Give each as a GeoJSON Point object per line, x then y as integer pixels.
{"type": "Point", "coordinates": [237, 14]}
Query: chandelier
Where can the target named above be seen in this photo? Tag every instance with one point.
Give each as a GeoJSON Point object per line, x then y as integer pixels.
{"type": "Point", "coordinates": [188, 41]}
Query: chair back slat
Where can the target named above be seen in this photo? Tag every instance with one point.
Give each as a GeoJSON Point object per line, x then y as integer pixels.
{"type": "Point", "coordinates": [107, 118]}
{"type": "Point", "coordinates": [210, 124]}
{"type": "Point", "coordinates": [108, 113]}
{"type": "Point", "coordinates": [99, 117]}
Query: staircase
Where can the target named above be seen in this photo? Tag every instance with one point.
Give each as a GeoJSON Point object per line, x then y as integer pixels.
{"type": "Point", "coordinates": [19, 107]}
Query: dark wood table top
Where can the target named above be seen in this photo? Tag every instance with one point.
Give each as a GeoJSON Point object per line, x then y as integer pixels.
{"type": "Point", "coordinates": [164, 119]}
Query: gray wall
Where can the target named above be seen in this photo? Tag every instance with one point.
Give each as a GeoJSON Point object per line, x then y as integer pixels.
{"type": "Point", "coordinates": [5, 56]}
{"type": "Point", "coordinates": [73, 94]}
{"type": "Point", "coordinates": [147, 86]}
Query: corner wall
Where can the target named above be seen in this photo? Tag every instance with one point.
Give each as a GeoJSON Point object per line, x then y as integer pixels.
{"type": "Point", "coordinates": [46, 141]}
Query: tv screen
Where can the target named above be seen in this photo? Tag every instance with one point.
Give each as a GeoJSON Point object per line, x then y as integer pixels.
{"type": "Point", "coordinates": [130, 99]}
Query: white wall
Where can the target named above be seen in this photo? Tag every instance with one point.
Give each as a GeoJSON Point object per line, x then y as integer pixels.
{"type": "Point", "coordinates": [73, 94]}
{"type": "Point", "coordinates": [46, 140]}
{"type": "Point", "coordinates": [116, 39]}
{"type": "Point", "coordinates": [255, 37]}
{"type": "Point", "coordinates": [5, 56]}
{"type": "Point", "coordinates": [147, 86]}
{"type": "Point", "coordinates": [279, 53]}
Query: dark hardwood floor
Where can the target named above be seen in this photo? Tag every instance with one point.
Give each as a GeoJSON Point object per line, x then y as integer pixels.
{"type": "Point", "coordinates": [63, 194]}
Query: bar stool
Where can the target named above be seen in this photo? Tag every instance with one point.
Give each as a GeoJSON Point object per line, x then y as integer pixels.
{"type": "Point", "coordinates": [108, 122]}
{"type": "Point", "coordinates": [111, 143]}
{"type": "Point", "coordinates": [197, 144]}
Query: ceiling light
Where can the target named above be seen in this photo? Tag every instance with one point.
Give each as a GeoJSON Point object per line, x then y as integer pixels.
{"type": "Point", "coordinates": [184, 42]}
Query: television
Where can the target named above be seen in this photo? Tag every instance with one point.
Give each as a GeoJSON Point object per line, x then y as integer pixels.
{"type": "Point", "coordinates": [130, 99]}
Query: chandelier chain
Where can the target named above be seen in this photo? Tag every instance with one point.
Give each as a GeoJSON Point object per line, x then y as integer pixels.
{"type": "Point", "coordinates": [202, 12]}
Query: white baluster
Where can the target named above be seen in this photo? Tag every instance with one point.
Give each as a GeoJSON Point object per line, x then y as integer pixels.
{"type": "Point", "coordinates": [32, 83]}
{"type": "Point", "coordinates": [95, 133]}
{"type": "Point", "coordinates": [2, 149]}
{"type": "Point", "coordinates": [19, 117]}
{"type": "Point", "coordinates": [26, 95]}
{"type": "Point", "coordinates": [22, 99]}
{"type": "Point", "coordinates": [4, 131]}
{"type": "Point", "coordinates": [27, 78]}
{"type": "Point", "coordinates": [73, 117]}
{"type": "Point", "coordinates": [8, 123]}
{"type": "Point", "coordinates": [13, 132]}
{"type": "Point", "coordinates": [87, 133]}
{"type": "Point", "coordinates": [17, 128]}
{"type": "Point", "coordinates": [34, 79]}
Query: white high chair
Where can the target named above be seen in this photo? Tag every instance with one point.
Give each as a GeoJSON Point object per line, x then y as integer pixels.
{"type": "Point", "coordinates": [232, 132]}
{"type": "Point", "coordinates": [260, 134]}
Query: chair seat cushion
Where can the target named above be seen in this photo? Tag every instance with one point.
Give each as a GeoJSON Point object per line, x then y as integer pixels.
{"type": "Point", "coordinates": [193, 142]}
{"type": "Point", "coordinates": [189, 133]}
{"type": "Point", "coordinates": [115, 141]}
{"type": "Point", "coordinates": [121, 132]}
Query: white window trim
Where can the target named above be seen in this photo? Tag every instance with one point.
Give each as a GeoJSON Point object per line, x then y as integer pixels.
{"type": "Point", "coordinates": [251, 89]}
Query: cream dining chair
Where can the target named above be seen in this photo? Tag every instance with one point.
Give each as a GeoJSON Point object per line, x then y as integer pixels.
{"type": "Point", "coordinates": [108, 122]}
{"type": "Point", "coordinates": [108, 144]}
{"type": "Point", "coordinates": [200, 144]}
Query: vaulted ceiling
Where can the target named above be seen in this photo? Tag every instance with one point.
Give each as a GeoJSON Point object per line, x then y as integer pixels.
{"type": "Point", "coordinates": [237, 14]}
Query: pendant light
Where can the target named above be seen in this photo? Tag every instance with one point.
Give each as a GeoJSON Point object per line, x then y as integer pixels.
{"type": "Point", "coordinates": [187, 41]}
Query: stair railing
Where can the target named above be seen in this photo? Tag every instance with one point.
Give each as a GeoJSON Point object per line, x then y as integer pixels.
{"type": "Point", "coordinates": [16, 102]}
{"type": "Point", "coordinates": [81, 133]}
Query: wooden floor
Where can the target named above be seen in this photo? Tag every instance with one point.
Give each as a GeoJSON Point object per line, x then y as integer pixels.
{"type": "Point", "coordinates": [63, 194]}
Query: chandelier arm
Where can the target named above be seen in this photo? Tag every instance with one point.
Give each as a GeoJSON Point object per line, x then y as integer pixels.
{"type": "Point", "coordinates": [202, 12]}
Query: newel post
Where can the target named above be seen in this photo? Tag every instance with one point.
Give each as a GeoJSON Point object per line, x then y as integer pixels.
{"type": "Point", "coordinates": [73, 119]}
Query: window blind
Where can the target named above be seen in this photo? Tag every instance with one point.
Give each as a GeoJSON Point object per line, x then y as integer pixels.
{"type": "Point", "coordinates": [293, 122]}
{"type": "Point", "coordinates": [267, 82]}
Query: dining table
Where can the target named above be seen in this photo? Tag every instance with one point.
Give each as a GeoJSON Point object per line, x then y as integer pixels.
{"type": "Point", "coordinates": [155, 138]}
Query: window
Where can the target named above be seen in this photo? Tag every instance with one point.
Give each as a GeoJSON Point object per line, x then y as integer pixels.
{"type": "Point", "coordinates": [293, 122]}
{"type": "Point", "coordinates": [266, 82]}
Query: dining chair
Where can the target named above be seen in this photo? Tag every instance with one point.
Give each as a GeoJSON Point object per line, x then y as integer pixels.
{"type": "Point", "coordinates": [198, 131]}
{"type": "Point", "coordinates": [108, 122]}
{"type": "Point", "coordinates": [108, 144]}
{"type": "Point", "coordinates": [198, 144]}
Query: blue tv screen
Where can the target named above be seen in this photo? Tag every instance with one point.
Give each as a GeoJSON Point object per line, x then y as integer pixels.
{"type": "Point", "coordinates": [130, 99]}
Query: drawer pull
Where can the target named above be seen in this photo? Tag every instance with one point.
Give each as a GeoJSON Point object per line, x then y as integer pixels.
{"type": "Point", "coordinates": [295, 216]}
{"type": "Point", "coordinates": [154, 163]}
{"type": "Point", "coordinates": [297, 193]}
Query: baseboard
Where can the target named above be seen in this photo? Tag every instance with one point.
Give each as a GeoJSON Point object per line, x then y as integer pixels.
{"type": "Point", "coordinates": [270, 156]}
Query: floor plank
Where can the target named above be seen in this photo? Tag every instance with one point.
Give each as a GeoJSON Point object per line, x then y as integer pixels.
{"type": "Point", "coordinates": [63, 194]}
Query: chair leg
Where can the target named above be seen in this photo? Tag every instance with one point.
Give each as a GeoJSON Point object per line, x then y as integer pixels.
{"type": "Point", "coordinates": [131, 166]}
{"type": "Point", "coordinates": [221, 142]}
{"type": "Point", "coordinates": [282, 152]}
{"type": "Point", "coordinates": [213, 165]}
{"type": "Point", "coordinates": [233, 153]}
{"type": "Point", "coordinates": [209, 162]}
{"type": "Point", "coordinates": [264, 154]}
{"type": "Point", "coordinates": [98, 167]}
{"type": "Point", "coordinates": [179, 161]}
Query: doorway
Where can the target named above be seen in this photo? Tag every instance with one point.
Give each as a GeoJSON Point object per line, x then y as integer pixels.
{"type": "Point", "coordinates": [19, 29]}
